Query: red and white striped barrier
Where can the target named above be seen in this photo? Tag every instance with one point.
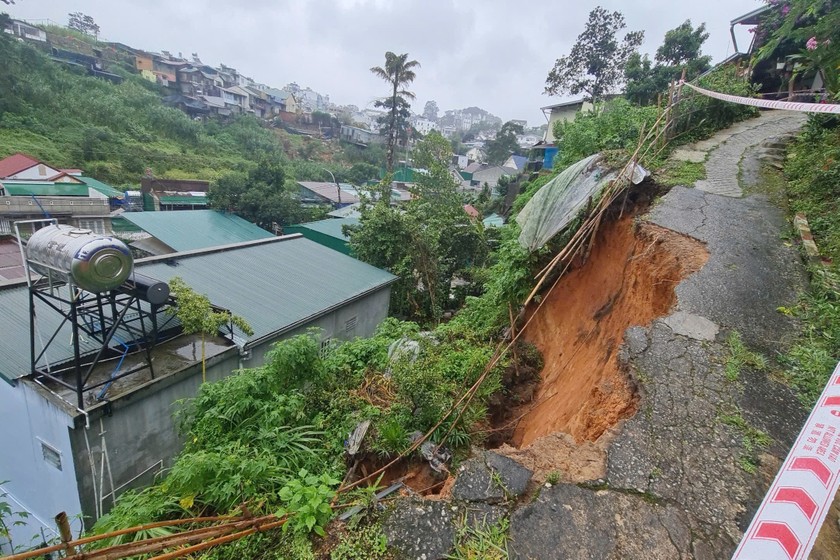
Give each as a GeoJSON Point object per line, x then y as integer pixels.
{"type": "Point", "coordinates": [769, 103]}
{"type": "Point", "coordinates": [788, 521]}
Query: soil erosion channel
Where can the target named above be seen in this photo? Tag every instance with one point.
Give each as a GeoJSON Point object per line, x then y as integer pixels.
{"type": "Point", "coordinates": [628, 279]}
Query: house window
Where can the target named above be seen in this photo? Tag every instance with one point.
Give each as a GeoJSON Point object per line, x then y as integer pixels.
{"type": "Point", "coordinates": [350, 327]}
{"type": "Point", "coordinates": [52, 456]}
{"type": "Point", "coordinates": [96, 226]}
{"type": "Point", "coordinates": [5, 226]}
{"type": "Point", "coordinates": [326, 346]}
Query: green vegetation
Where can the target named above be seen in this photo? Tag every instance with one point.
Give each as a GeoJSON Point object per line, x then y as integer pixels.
{"type": "Point", "coordinates": [500, 148]}
{"type": "Point", "coordinates": [754, 440]}
{"type": "Point", "coordinates": [595, 64]}
{"type": "Point", "coordinates": [675, 172]}
{"type": "Point", "coordinates": [482, 541]}
{"type": "Point", "coordinates": [680, 51]}
{"type": "Point", "coordinates": [427, 242]}
{"type": "Point", "coordinates": [740, 356]}
{"type": "Point", "coordinates": [399, 73]}
{"type": "Point", "coordinates": [59, 114]}
{"type": "Point", "coordinates": [807, 33]}
{"type": "Point", "coordinates": [8, 519]}
{"type": "Point", "coordinates": [813, 170]}
{"type": "Point", "coordinates": [273, 437]}
{"type": "Point", "coordinates": [362, 543]}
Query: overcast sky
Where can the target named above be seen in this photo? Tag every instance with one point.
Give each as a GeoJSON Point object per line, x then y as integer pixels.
{"type": "Point", "coordinates": [494, 54]}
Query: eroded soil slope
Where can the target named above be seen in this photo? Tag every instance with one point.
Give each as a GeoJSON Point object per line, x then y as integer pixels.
{"type": "Point", "coordinates": [628, 279]}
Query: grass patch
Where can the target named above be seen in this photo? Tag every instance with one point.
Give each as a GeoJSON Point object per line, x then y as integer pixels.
{"type": "Point", "coordinates": [362, 543]}
{"type": "Point", "coordinates": [812, 170]}
{"type": "Point", "coordinates": [482, 542]}
{"type": "Point", "coordinates": [754, 440]}
{"type": "Point", "coordinates": [676, 172]}
{"type": "Point", "coordinates": [740, 356]}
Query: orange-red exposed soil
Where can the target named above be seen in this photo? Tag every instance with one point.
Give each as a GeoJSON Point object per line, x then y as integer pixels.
{"type": "Point", "coordinates": [628, 279]}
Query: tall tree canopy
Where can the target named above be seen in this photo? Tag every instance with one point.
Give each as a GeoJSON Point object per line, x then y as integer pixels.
{"type": "Point", "coordinates": [595, 65]}
{"type": "Point", "coordinates": [82, 23]}
{"type": "Point", "coordinates": [680, 50]}
{"type": "Point", "coordinates": [505, 144]}
{"type": "Point", "coordinates": [261, 196]}
{"type": "Point", "coordinates": [682, 46]}
{"type": "Point", "coordinates": [430, 110]}
{"type": "Point", "coordinates": [399, 73]}
{"type": "Point", "coordinates": [427, 242]}
{"type": "Point", "coordinates": [397, 117]}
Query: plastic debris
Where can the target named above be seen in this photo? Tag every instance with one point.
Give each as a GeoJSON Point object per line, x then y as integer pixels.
{"type": "Point", "coordinates": [557, 203]}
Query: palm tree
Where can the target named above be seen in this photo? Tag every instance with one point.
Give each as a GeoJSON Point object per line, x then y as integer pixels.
{"type": "Point", "coordinates": [399, 72]}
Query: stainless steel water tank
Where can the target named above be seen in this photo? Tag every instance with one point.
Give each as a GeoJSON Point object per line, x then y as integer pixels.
{"type": "Point", "coordinates": [95, 263]}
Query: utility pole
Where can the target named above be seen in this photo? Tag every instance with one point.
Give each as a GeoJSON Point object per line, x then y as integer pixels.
{"type": "Point", "coordinates": [337, 186]}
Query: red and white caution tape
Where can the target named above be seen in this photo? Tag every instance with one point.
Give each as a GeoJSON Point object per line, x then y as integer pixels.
{"type": "Point", "coordinates": [769, 103]}
{"type": "Point", "coordinates": [789, 519]}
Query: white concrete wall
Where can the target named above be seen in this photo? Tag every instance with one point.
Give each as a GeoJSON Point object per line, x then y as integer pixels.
{"type": "Point", "coordinates": [567, 113]}
{"type": "Point", "coordinates": [38, 172]}
{"type": "Point", "coordinates": [27, 420]}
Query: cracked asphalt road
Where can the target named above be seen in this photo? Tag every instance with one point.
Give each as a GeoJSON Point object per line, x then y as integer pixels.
{"type": "Point", "coordinates": [682, 457]}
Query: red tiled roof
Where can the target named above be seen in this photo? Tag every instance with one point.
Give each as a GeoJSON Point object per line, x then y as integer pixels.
{"type": "Point", "coordinates": [15, 164]}
{"type": "Point", "coordinates": [470, 209]}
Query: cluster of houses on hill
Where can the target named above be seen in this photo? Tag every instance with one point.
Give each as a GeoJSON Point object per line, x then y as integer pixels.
{"type": "Point", "coordinates": [200, 89]}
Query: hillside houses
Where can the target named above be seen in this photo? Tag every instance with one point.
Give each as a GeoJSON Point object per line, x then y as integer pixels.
{"type": "Point", "coordinates": [30, 189]}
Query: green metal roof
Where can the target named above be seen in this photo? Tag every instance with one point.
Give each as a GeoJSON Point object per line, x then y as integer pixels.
{"type": "Point", "coordinates": [196, 229]}
{"type": "Point", "coordinates": [493, 220]}
{"type": "Point", "coordinates": [43, 188]}
{"type": "Point", "coordinates": [331, 227]}
{"type": "Point", "coordinates": [105, 189]}
{"type": "Point", "coordinates": [277, 285]}
{"type": "Point", "coordinates": [193, 200]}
{"type": "Point", "coordinates": [121, 225]}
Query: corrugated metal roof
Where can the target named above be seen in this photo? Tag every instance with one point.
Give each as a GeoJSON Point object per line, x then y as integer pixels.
{"type": "Point", "coordinates": [43, 188]}
{"type": "Point", "coordinates": [105, 189]}
{"type": "Point", "coordinates": [332, 226]}
{"type": "Point", "coordinates": [184, 199]}
{"type": "Point", "coordinates": [349, 194]}
{"type": "Point", "coordinates": [276, 285]}
{"type": "Point", "coordinates": [273, 284]}
{"type": "Point", "coordinates": [196, 229]}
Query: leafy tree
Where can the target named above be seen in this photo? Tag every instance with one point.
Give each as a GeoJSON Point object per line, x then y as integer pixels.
{"type": "Point", "coordinates": [595, 65]}
{"type": "Point", "coordinates": [430, 111]}
{"type": "Point", "coordinates": [260, 196]}
{"type": "Point", "coordinates": [680, 50]}
{"type": "Point", "coordinates": [197, 316]}
{"type": "Point", "coordinates": [361, 173]}
{"type": "Point", "coordinates": [399, 73]}
{"type": "Point", "coordinates": [428, 243]}
{"type": "Point", "coordinates": [83, 24]}
{"type": "Point", "coordinates": [399, 118]}
{"type": "Point", "coordinates": [505, 144]}
{"type": "Point", "coordinates": [644, 81]}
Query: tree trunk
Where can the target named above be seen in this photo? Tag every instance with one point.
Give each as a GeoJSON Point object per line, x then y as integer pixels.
{"type": "Point", "coordinates": [392, 127]}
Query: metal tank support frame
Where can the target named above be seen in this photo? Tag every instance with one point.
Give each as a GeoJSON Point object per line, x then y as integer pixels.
{"type": "Point", "coordinates": [117, 315]}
